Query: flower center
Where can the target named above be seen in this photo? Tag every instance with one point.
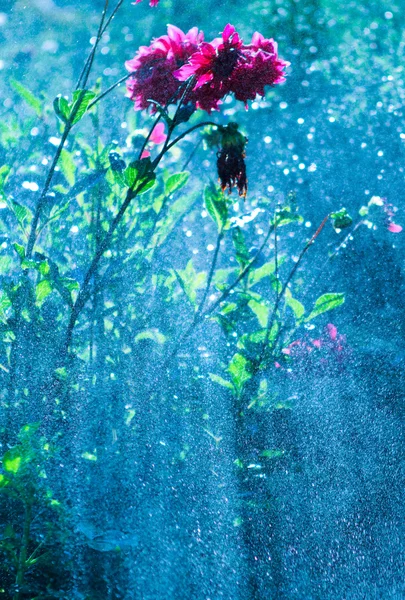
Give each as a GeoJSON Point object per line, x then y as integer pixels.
{"type": "Point", "coordinates": [225, 62]}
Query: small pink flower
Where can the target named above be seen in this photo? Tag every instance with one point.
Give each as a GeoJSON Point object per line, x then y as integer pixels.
{"type": "Point", "coordinates": [394, 228]}
{"type": "Point", "coordinates": [145, 154]}
{"type": "Point", "coordinates": [317, 343]}
{"type": "Point", "coordinates": [332, 331]}
{"type": "Point", "coordinates": [151, 3]}
{"type": "Point", "coordinates": [158, 135]}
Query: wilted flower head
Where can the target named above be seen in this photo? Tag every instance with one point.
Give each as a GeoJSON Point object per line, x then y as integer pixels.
{"type": "Point", "coordinates": [231, 159]}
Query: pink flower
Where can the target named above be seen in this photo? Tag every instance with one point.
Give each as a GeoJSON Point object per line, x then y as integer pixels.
{"type": "Point", "coordinates": [153, 66]}
{"type": "Point", "coordinates": [145, 154]}
{"type": "Point", "coordinates": [394, 228]}
{"type": "Point", "coordinates": [219, 68]}
{"type": "Point", "coordinates": [158, 134]}
{"type": "Point", "coordinates": [227, 66]}
{"type": "Point", "coordinates": [151, 3]}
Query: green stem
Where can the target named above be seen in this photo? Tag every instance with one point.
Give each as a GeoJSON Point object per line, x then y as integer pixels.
{"type": "Point", "coordinates": [280, 296]}
{"type": "Point", "coordinates": [22, 559]}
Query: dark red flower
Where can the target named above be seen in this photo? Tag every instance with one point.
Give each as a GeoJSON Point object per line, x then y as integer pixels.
{"type": "Point", "coordinates": [153, 67]}
{"type": "Point", "coordinates": [228, 66]}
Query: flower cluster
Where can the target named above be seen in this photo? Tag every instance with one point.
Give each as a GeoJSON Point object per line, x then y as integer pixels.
{"type": "Point", "coordinates": [224, 66]}
{"type": "Point", "coordinates": [329, 351]}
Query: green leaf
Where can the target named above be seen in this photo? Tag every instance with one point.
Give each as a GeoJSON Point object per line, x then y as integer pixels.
{"type": "Point", "coordinates": [61, 108]}
{"type": "Point", "coordinates": [260, 273]}
{"type": "Point", "coordinates": [5, 304]}
{"type": "Point", "coordinates": [176, 182]}
{"type": "Point", "coordinates": [272, 453]}
{"type": "Point", "coordinates": [242, 252]}
{"type": "Point", "coordinates": [67, 166]}
{"type": "Point", "coordinates": [61, 373]}
{"type": "Point", "coordinates": [27, 96]}
{"type": "Point", "coordinates": [260, 310]}
{"type": "Point", "coordinates": [341, 219]}
{"type": "Point", "coordinates": [285, 216]}
{"type": "Point", "coordinates": [81, 101]}
{"type": "Point", "coordinates": [22, 213]}
{"type": "Point", "coordinates": [151, 334]}
{"type": "Point", "coordinates": [296, 306]}
{"type": "Point", "coordinates": [239, 371]}
{"type": "Point", "coordinates": [4, 481]}
{"type": "Point", "coordinates": [42, 290]}
{"type": "Point", "coordinates": [215, 203]}
{"type": "Point", "coordinates": [222, 381]}
{"type": "Point", "coordinates": [139, 176]}
{"type": "Point", "coordinates": [12, 460]}
{"type": "Point", "coordinates": [20, 250]}
{"type": "Point", "coordinates": [325, 303]}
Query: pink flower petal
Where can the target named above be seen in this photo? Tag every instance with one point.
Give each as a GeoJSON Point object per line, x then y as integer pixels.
{"type": "Point", "coordinates": [332, 331]}
{"type": "Point", "coordinates": [145, 154]}
{"type": "Point", "coordinates": [394, 228]}
{"type": "Point", "coordinates": [317, 343]}
{"type": "Point", "coordinates": [158, 135]}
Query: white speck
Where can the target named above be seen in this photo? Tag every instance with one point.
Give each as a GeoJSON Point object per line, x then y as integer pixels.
{"type": "Point", "coordinates": [286, 171]}
{"type": "Point", "coordinates": [270, 188]}
{"type": "Point", "coordinates": [267, 139]}
{"type": "Point", "coordinates": [363, 145]}
{"type": "Point", "coordinates": [50, 46]}
{"type": "Point", "coordinates": [310, 136]}
{"type": "Point", "coordinates": [402, 136]}
{"type": "Point", "coordinates": [300, 121]}
{"type": "Point", "coordinates": [332, 119]}
{"type": "Point", "coordinates": [44, 161]}
{"type": "Point", "coordinates": [54, 141]}
{"type": "Point", "coordinates": [380, 153]}
{"type": "Point", "coordinates": [312, 167]}
{"type": "Point", "coordinates": [189, 233]}
{"type": "Point", "coordinates": [74, 229]}
{"type": "Point", "coordinates": [93, 40]}
{"type": "Point", "coordinates": [210, 247]}
{"type": "Point", "coordinates": [34, 131]}
{"type": "Point", "coordinates": [308, 223]}
{"type": "Point", "coordinates": [30, 185]}
{"type": "Point", "coordinates": [283, 105]}
{"type": "Point", "coordinates": [301, 166]}
{"type": "Point", "coordinates": [388, 15]}
{"type": "Point", "coordinates": [124, 125]}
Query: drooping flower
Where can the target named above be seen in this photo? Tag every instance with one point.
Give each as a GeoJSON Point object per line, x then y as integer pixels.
{"type": "Point", "coordinates": [231, 159]}
{"type": "Point", "coordinates": [153, 66]}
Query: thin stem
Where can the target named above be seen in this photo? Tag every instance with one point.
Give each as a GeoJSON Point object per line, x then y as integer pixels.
{"type": "Point", "coordinates": [211, 272]}
{"type": "Point", "coordinates": [280, 296]}
{"type": "Point", "coordinates": [182, 135]}
{"type": "Point", "coordinates": [108, 90]}
{"type": "Point", "coordinates": [149, 136]}
{"type": "Point", "coordinates": [200, 315]}
{"type": "Point", "coordinates": [192, 154]}
{"type": "Point", "coordinates": [22, 559]}
{"type": "Point", "coordinates": [68, 126]}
